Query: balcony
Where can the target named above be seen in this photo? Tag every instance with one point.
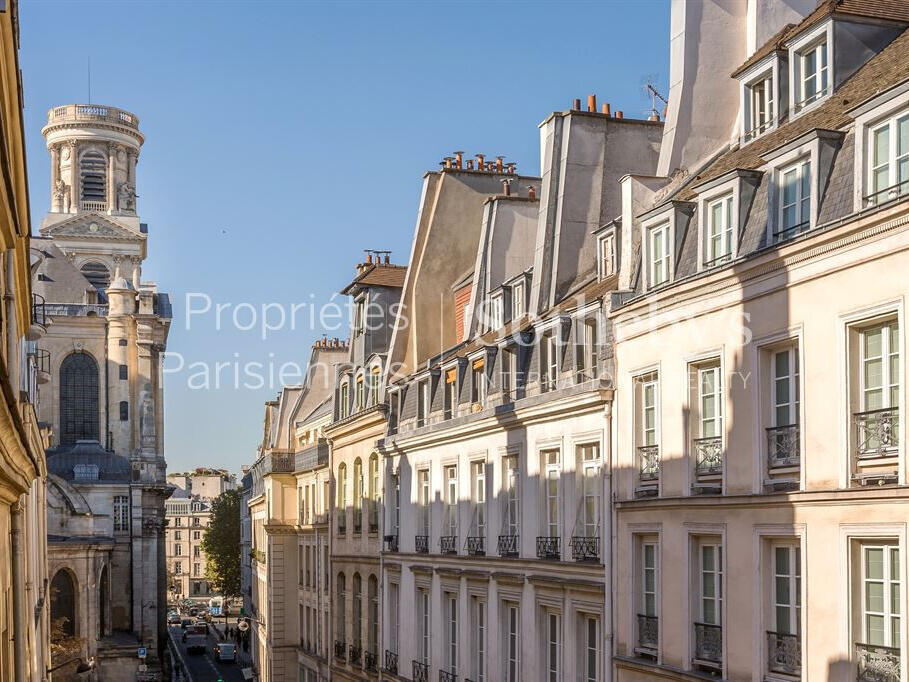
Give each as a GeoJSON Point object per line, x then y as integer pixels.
{"type": "Point", "coordinates": [340, 650]}
{"type": "Point", "coordinates": [96, 206]}
{"type": "Point", "coordinates": [708, 645]}
{"type": "Point", "coordinates": [313, 457]}
{"type": "Point", "coordinates": [877, 663]}
{"type": "Point", "coordinates": [92, 112]}
{"type": "Point", "coordinates": [784, 654]}
{"type": "Point", "coordinates": [445, 676]}
{"type": "Point", "coordinates": [391, 543]}
{"type": "Point", "coordinates": [421, 544]}
{"type": "Point", "coordinates": [648, 633]}
{"type": "Point", "coordinates": [585, 548]}
{"type": "Point", "coordinates": [783, 446]}
{"type": "Point", "coordinates": [391, 662]}
{"type": "Point", "coordinates": [508, 545]}
{"type": "Point", "coordinates": [42, 365]}
{"type": "Point", "coordinates": [277, 463]}
{"type": "Point", "coordinates": [370, 662]}
{"type": "Point", "coordinates": [876, 432]}
{"type": "Point", "coordinates": [355, 654]}
{"type": "Point", "coordinates": [649, 458]}
{"type": "Point", "coordinates": [420, 672]}
{"type": "Point", "coordinates": [476, 545]}
{"type": "Point", "coordinates": [448, 544]}
{"type": "Point", "coordinates": [548, 548]}
{"type": "Point", "coordinates": [708, 456]}
{"type": "Point", "coordinates": [39, 317]}
{"type": "Point", "coordinates": [887, 194]}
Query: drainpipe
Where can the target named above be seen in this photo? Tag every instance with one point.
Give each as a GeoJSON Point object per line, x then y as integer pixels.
{"type": "Point", "coordinates": [608, 539]}
{"type": "Point", "coordinates": [19, 617]}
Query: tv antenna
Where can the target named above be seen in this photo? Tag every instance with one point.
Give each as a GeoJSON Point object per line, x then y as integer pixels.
{"type": "Point", "coordinates": [654, 96]}
{"type": "Point", "coordinates": [89, 79]}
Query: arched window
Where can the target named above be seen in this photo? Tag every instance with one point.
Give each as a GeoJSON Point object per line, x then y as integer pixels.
{"type": "Point", "coordinates": [97, 274]}
{"type": "Point", "coordinates": [78, 399]}
{"type": "Point", "coordinates": [358, 483]}
{"type": "Point", "coordinates": [373, 615]}
{"type": "Point", "coordinates": [103, 599]}
{"type": "Point", "coordinates": [374, 493]}
{"type": "Point", "coordinates": [124, 411]}
{"type": "Point", "coordinates": [342, 499]}
{"type": "Point", "coordinates": [93, 172]}
{"type": "Point", "coordinates": [341, 625]}
{"type": "Point", "coordinates": [357, 611]}
{"type": "Point", "coordinates": [63, 604]}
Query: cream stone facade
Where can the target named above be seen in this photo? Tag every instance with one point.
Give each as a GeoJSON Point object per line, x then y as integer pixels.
{"type": "Point", "coordinates": [107, 330]}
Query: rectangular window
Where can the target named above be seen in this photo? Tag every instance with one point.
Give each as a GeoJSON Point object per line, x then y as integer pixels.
{"type": "Point", "coordinates": [451, 500]}
{"type": "Point", "coordinates": [552, 472]}
{"type": "Point", "coordinates": [589, 461]}
{"type": "Point", "coordinates": [549, 362]}
{"type": "Point", "coordinates": [361, 394]}
{"type": "Point", "coordinates": [795, 200]}
{"type": "Point", "coordinates": [785, 389]}
{"type": "Point", "coordinates": [478, 498]}
{"type": "Point", "coordinates": [881, 595]}
{"type": "Point", "coordinates": [588, 637]}
{"type": "Point", "coordinates": [711, 570]}
{"type": "Point", "coordinates": [425, 498]}
{"type": "Point", "coordinates": [496, 312]}
{"type": "Point", "coordinates": [479, 644]}
{"type": "Point", "coordinates": [512, 642]}
{"type": "Point", "coordinates": [649, 397]}
{"type": "Point", "coordinates": [649, 579]}
{"type": "Point", "coordinates": [509, 374]}
{"type": "Point", "coordinates": [178, 535]}
{"type": "Point", "coordinates": [880, 367]}
{"type": "Point", "coordinates": [761, 106]}
{"type": "Point", "coordinates": [787, 589]}
{"type": "Point", "coordinates": [121, 513]}
{"type": "Point", "coordinates": [518, 304]}
{"type": "Point", "coordinates": [344, 399]}
{"type": "Point", "coordinates": [451, 393]}
{"type": "Point", "coordinates": [889, 160]}
{"type": "Point", "coordinates": [658, 248]}
{"type": "Point", "coordinates": [451, 650]}
{"type": "Point", "coordinates": [423, 626]}
{"type": "Point", "coordinates": [553, 647]}
{"type": "Point", "coordinates": [719, 235]}
{"type": "Point", "coordinates": [814, 74]}
{"type": "Point", "coordinates": [124, 372]}
{"type": "Point", "coordinates": [373, 379]}
{"type": "Point", "coordinates": [587, 350]}
{"type": "Point", "coordinates": [478, 383]}
{"type": "Point", "coordinates": [393, 605]}
{"type": "Point", "coordinates": [710, 401]}
{"type": "Point", "coordinates": [422, 403]}
{"type": "Point", "coordinates": [607, 255]}
{"type": "Point", "coordinates": [512, 509]}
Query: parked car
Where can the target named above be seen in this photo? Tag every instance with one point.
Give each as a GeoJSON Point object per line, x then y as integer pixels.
{"type": "Point", "coordinates": [186, 622]}
{"type": "Point", "coordinates": [196, 638]}
{"type": "Point", "coordinates": [225, 651]}
{"type": "Point", "coordinates": [173, 618]}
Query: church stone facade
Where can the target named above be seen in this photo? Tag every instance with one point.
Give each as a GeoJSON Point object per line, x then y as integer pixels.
{"type": "Point", "coordinates": [103, 352]}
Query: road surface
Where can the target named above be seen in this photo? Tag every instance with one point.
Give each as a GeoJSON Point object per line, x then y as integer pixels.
{"type": "Point", "coordinates": [203, 667]}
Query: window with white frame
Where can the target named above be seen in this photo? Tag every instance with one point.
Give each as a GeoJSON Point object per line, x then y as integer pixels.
{"type": "Point", "coordinates": [450, 396]}
{"type": "Point", "coordinates": [812, 73]}
{"type": "Point", "coordinates": [496, 311]}
{"type": "Point", "coordinates": [509, 366]}
{"type": "Point", "coordinates": [478, 628]}
{"type": "Point", "coordinates": [589, 641]}
{"type": "Point", "coordinates": [710, 401]}
{"type": "Point", "coordinates": [795, 199]}
{"type": "Point", "coordinates": [344, 400]}
{"type": "Point", "coordinates": [606, 249]}
{"type": "Point", "coordinates": [888, 162]}
{"type": "Point", "coordinates": [648, 620]}
{"type": "Point", "coordinates": [881, 595]}
{"type": "Point", "coordinates": [478, 388]}
{"type": "Point", "coordinates": [512, 643]}
{"type": "Point", "coordinates": [121, 513]}
{"type": "Point", "coordinates": [423, 626]}
{"type": "Point", "coordinates": [423, 403]}
{"type": "Point", "coordinates": [589, 464]}
{"type": "Point", "coordinates": [787, 589]}
{"type": "Point", "coordinates": [393, 618]}
{"type": "Point", "coordinates": [650, 392]}
{"type": "Point", "coordinates": [512, 510]}
{"type": "Point", "coordinates": [783, 433]}
{"type": "Point", "coordinates": [518, 302]}
{"type": "Point", "coordinates": [372, 380]}
{"type": "Point", "coordinates": [760, 109]}
{"type": "Point", "coordinates": [478, 498]}
{"type": "Point", "coordinates": [877, 421]}
{"type": "Point", "coordinates": [424, 495]}
{"type": "Point", "coordinates": [549, 361]}
{"type": "Point", "coordinates": [451, 632]}
{"type": "Point", "coordinates": [451, 500]}
{"type": "Point", "coordinates": [710, 599]}
{"type": "Point", "coordinates": [658, 250]}
{"type": "Point", "coordinates": [552, 478]}
{"type": "Point", "coordinates": [718, 236]}
{"type": "Point", "coordinates": [586, 349]}
{"type": "Point", "coordinates": [553, 632]}
{"type": "Point", "coordinates": [360, 400]}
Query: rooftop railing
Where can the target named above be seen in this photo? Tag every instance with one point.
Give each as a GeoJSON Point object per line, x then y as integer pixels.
{"type": "Point", "coordinates": [92, 112]}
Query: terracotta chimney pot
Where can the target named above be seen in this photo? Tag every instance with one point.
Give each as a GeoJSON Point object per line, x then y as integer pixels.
{"type": "Point", "coordinates": [576, 105]}
{"type": "Point", "coordinates": [458, 157]}
{"type": "Point", "coordinates": [531, 192]}
{"type": "Point", "coordinates": [607, 110]}
{"type": "Point", "coordinates": [592, 103]}
{"type": "Point", "coordinates": [619, 114]}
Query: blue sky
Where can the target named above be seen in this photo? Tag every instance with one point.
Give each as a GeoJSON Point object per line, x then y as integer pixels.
{"type": "Point", "coordinates": [283, 138]}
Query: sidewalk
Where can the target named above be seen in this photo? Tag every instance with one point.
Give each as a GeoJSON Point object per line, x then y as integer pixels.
{"type": "Point", "coordinates": [243, 658]}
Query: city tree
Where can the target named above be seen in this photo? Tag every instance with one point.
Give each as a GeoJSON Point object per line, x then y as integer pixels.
{"type": "Point", "coordinates": [221, 544]}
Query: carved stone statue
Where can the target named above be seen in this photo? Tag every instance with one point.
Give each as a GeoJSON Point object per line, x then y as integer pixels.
{"type": "Point", "coordinates": [61, 196]}
{"type": "Point", "coordinates": [126, 197]}
{"type": "Point", "coordinates": [147, 417]}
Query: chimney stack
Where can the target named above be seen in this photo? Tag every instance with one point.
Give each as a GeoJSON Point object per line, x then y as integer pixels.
{"type": "Point", "coordinates": [481, 165]}
{"type": "Point", "coordinates": [506, 187]}
{"type": "Point", "coordinates": [469, 164]}
{"type": "Point", "coordinates": [448, 161]}
{"type": "Point", "coordinates": [576, 105]}
{"type": "Point", "coordinates": [387, 259]}
{"type": "Point", "coordinates": [531, 192]}
{"type": "Point", "coordinates": [592, 103]}
{"type": "Point", "coordinates": [607, 110]}
{"type": "Point", "coordinates": [499, 165]}
{"type": "Point", "coordinates": [619, 114]}
{"type": "Point", "coordinates": [458, 157]}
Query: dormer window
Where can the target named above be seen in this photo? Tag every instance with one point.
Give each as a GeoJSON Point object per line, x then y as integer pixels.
{"type": "Point", "coordinates": [760, 108]}
{"type": "Point", "coordinates": [518, 300]}
{"type": "Point", "coordinates": [889, 160]}
{"type": "Point", "coordinates": [658, 250]}
{"type": "Point", "coordinates": [809, 59]}
{"type": "Point", "coordinates": [344, 400]}
{"type": "Point", "coordinates": [496, 311]}
{"type": "Point", "coordinates": [795, 199]}
{"type": "Point", "coordinates": [718, 235]}
{"type": "Point", "coordinates": [606, 251]}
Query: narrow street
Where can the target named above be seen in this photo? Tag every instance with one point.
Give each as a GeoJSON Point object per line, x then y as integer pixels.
{"type": "Point", "coordinates": [204, 667]}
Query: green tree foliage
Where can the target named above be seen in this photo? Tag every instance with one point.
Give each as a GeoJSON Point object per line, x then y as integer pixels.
{"type": "Point", "coordinates": [221, 544]}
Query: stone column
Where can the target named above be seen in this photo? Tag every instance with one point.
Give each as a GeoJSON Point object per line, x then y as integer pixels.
{"type": "Point", "coordinates": [56, 202]}
{"type": "Point", "coordinates": [74, 177]}
{"type": "Point", "coordinates": [111, 177]}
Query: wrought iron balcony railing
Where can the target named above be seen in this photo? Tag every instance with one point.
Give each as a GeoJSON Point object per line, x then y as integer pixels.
{"type": "Point", "coordinates": [877, 432]}
{"type": "Point", "coordinates": [584, 548]}
{"type": "Point", "coordinates": [709, 455]}
{"type": "Point", "coordinates": [877, 663]}
{"type": "Point", "coordinates": [391, 662]}
{"type": "Point", "coordinates": [708, 642]}
{"type": "Point", "coordinates": [370, 662]}
{"type": "Point", "coordinates": [448, 544]}
{"type": "Point", "coordinates": [391, 543]}
{"type": "Point", "coordinates": [356, 654]}
{"type": "Point", "coordinates": [420, 672]}
{"type": "Point", "coordinates": [887, 194]}
{"type": "Point", "coordinates": [508, 545]}
{"type": "Point", "coordinates": [476, 545]}
{"type": "Point", "coordinates": [340, 650]}
{"type": "Point", "coordinates": [784, 653]}
{"type": "Point", "coordinates": [783, 446]}
{"type": "Point", "coordinates": [445, 676]}
{"type": "Point", "coordinates": [648, 632]}
{"type": "Point", "coordinates": [649, 456]}
{"type": "Point", "coordinates": [39, 308]}
{"type": "Point", "coordinates": [548, 547]}
{"type": "Point", "coordinates": [421, 544]}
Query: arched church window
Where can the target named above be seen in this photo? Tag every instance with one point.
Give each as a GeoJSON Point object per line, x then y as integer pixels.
{"type": "Point", "coordinates": [78, 399]}
{"type": "Point", "coordinates": [93, 174]}
{"type": "Point", "coordinates": [124, 411]}
{"type": "Point", "coordinates": [97, 275]}
{"type": "Point", "coordinates": [63, 604]}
